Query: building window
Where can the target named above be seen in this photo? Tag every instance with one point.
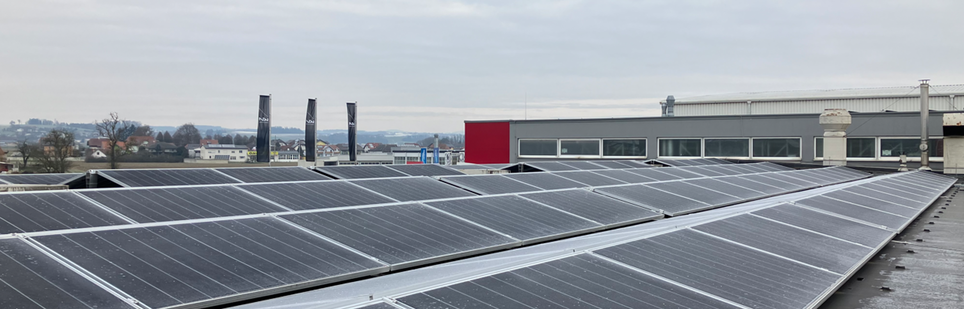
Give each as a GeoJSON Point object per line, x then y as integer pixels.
{"type": "Point", "coordinates": [857, 147]}
{"type": "Point", "coordinates": [776, 147]}
{"type": "Point", "coordinates": [686, 147]}
{"type": "Point", "coordinates": [726, 147]}
{"type": "Point", "coordinates": [537, 147]}
{"type": "Point", "coordinates": [624, 147]}
{"type": "Point", "coordinates": [894, 147]}
{"type": "Point", "coordinates": [579, 147]}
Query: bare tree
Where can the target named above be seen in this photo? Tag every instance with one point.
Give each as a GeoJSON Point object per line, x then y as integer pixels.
{"type": "Point", "coordinates": [115, 130]}
{"type": "Point", "coordinates": [55, 148]}
{"type": "Point", "coordinates": [26, 150]}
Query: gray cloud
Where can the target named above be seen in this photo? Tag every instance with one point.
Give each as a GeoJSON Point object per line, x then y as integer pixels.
{"type": "Point", "coordinates": [427, 65]}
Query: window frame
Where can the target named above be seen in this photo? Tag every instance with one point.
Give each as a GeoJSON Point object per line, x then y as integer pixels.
{"type": "Point", "coordinates": [799, 156]}
{"type": "Point", "coordinates": [909, 159]}
{"type": "Point", "coordinates": [659, 147]}
{"type": "Point", "coordinates": [519, 148]}
{"type": "Point", "coordinates": [876, 156]}
{"type": "Point", "coordinates": [749, 150]}
{"type": "Point", "coordinates": [602, 147]}
{"type": "Point", "coordinates": [599, 148]}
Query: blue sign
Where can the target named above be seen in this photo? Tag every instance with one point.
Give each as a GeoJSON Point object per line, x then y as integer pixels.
{"type": "Point", "coordinates": [424, 155]}
{"type": "Point", "coordinates": [435, 158]}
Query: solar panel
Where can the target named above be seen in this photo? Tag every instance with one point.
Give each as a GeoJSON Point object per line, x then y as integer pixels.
{"type": "Point", "coordinates": [489, 184]}
{"type": "Point", "coordinates": [624, 176]}
{"type": "Point", "coordinates": [584, 165]}
{"type": "Point", "coordinates": [789, 178]}
{"type": "Point", "coordinates": [668, 203]}
{"type": "Point", "coordinates": [165, 177]}
{"type": "Point", "coordinates": [654, 173]}
{"type": "Point", "coordinates": [869, 202]}
{"type": "Point", "coordinates": [425, 170]}
{"type": "Point", "coordinates": [749, 277]}
{"type": "Point", "coordinates": [694, 192]}
{"type": "Point", "coordinates": [901, 191]}
{"type": "Point", "coordinates": [762, 178]}
{"type": "Point", "coordinates": [726, 187]}
{"type": "Point", "coordinates": [722, 169]}
{"type": "Point", "coordinates": [173, 265]}
{"type": "Point", "coordinates": [359, 171]}
{"type": "Point", "coordinates": [404, 235]}
{"type": "Point", "coordinates": [826, 224]}
{"type": "Point", "coordinates": [30, 279]}
{"type": "Point", "coordinates": [812, 177]}
{"type": "Point", "coordinates": [753, 167]}
{"type": "Point", "coordinates": [520, 218]}
{"type": "Point", "coordinates": [749, 183]}
{"type": "Point", "coordinates": [594, 206]}
{"type": "Point", "coordinates": [773, 167]}
{"type": "Point", "coordinates": [582, 281]}
{"type": "Point", "coordinates": [590, 178]}
{"type": "Point", "coordinates": [794, 243]}
{"type": "Point", "coordinates": [316, 195]}
{"type": "Point", "coordinates": [412, 189]}
{"type": "Point", "coordinates": [701, 170]}
{"type": "Point", "coordinates": [545, 181]}
{"type": "Point", "coordinates": [39, 179]}
{"type": "Point", "coordinates": [915, 201]}
{"type": "Point", "coordinates": [551, 166]}
{"type": "Point", "coordinates": [44, 211]}
{"type": "Point", "coordinates": [677, 172]}
{"type": "Point", "coordinates": [170, 204]}
{"type": "Point", "coordinates": [857, 212]}
{"type": "Point", "coordinates": [617, 164]}
{"type": "Point", "coordinates": [272, 174]}
{"type": "Point", "coordinates": [738, 169]}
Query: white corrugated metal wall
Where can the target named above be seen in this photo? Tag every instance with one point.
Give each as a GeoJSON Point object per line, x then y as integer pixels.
{"type": "Point", "coordinates": [906, 104]}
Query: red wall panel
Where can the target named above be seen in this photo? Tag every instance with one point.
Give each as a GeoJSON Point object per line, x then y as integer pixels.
{"type": "Point", "coordinates": [487, 142]}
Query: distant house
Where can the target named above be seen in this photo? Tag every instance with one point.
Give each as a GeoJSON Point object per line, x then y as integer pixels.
{"type": "Point", "coordinates": [329, 151]}
{"type": "Point", "coordinates": [162, 148]}
{"type": "Point", "coordinates": [134, 144]}
{"type": "Point", "coordinates": [370, 146]}
{"type": "Point", "coordinates": [96, 153]}
{"type": "Point", "coordinates": [103, 143]}
{"type": "Point", "coordinates": [208, 142]}
{"type": "Point", "coordinates": [228, 152]}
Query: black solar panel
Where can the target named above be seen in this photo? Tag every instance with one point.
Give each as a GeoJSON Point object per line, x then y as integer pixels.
{"type": "Point", "coordinates": [702, 170]}
{"type": "Point", "coordinates": [733, 272]}
{"type": "Point", "coordinates": [170, 204]}
{"type": "Point", "coordinates": [165, 177]}
{"type": "Point", "coordinates": [403, 235]}
{"type": "Point", "coordinates": [786, 177]}
{"type": "Point", "coordinates": [582, 281]}
{"type": "Point", "coordinates": [762, 178]}
{"type": "Point", "coordinates": [425, 170]}
{"type": "Point", "coordinates": [546, 181]}
{"type": "Point", "coordinates": [30, 279]}
{"type": "Point", "coordinates": [584, 165]}
{"type": "Point", "coordinates": [678, 172]}
{"type": "Point", "coordinates": [172, 265]}
{"type": "Point", "coordinates": [412, 189]}
{"type": "Point", "coordinates": [726, 187]}
{"type": "Point", "coordinates": [590, 178]}
{"type": "Point", "coordinates": [826, 224]}
{"type": "Point", "coordinates": [618, 164]}
{"type": "Point", "coordinates": [654, 173]}
{"type": "Point", "coordinates": [551, 166]}
{"type": "Point", "coordinates": [857, 212]}
{"type": "Point", "coordinates": [745, 182]}
{"type": "Point", "coordinates": [625, 176]}
{"type": "Point", "coordinates": [803, 246]}
{"type": "Point", "coordinates": [515, 216]}
{"type": "Point", "coordinates": [359, 171]}
{"type": "Point", "coordinates": [316, 195]}
{"type": "Point", "coordinates": [642, 195]}
{"type": "Point", "coordinates": [848, 196]}
{"type": "Point", "coordinates": [273, 174]}
{"type": "Point", "coordinates": [39, 179]}
{"type": "Point", "coordinates": [693, 192]}
{"type": "Point", "coordinates": [489, 184]}
{"type": "Point", "coordinates": [594, 206]}
{"type": "Point", "coordinates": [44, 211]}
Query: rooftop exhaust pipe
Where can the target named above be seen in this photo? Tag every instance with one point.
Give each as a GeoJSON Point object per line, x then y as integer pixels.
{"type": "Point", "coordinates": [924, 114]}
{"type": "Point", "coordinates": [668, 107]}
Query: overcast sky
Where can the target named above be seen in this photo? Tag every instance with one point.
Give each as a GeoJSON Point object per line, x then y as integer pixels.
{"type": "Point", "coordinates": [428, 65]}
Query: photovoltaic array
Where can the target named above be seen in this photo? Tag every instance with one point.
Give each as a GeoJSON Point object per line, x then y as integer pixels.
{"type": "Point", "coordinates": [190, 245]}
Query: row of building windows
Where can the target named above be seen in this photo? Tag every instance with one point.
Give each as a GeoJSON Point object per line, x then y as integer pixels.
{"type": "Point", "coordinates": [764, 148]}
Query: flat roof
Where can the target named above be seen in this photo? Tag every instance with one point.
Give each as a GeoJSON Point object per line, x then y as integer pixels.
{"type": "Point", "coordinates": [826, 94]}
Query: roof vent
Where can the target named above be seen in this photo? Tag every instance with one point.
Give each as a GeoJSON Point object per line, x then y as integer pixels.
{"type": "Point", "coordinates": [668, 107]}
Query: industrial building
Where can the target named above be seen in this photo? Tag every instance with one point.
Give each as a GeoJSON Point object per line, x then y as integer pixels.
{"type": "Point", "coordinates": [778, 127]}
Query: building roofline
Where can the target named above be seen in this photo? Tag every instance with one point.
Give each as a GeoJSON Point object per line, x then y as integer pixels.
{"type": "Point", "coordinates": [801, 115]}
{"type": "Point", "coordinates": [827, 94]}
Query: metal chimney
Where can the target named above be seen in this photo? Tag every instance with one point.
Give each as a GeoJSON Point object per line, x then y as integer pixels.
{"type": "Point", "coordinates": [670, 102]}
{"type": "Point", "coordinates": [924, 114]}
